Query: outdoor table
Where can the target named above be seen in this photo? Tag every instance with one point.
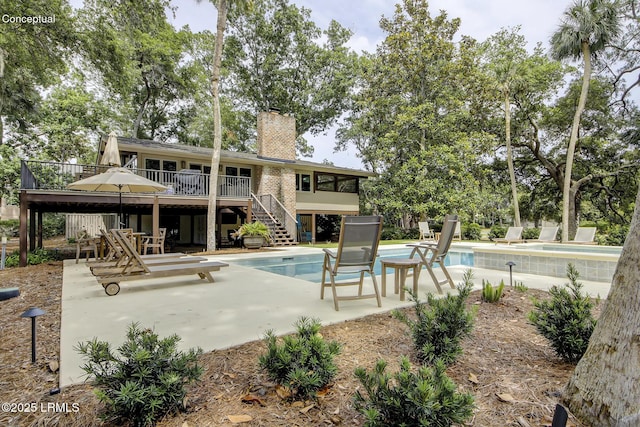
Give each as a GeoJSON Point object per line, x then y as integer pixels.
{"type": "Point", "coordinates": [401, 267]}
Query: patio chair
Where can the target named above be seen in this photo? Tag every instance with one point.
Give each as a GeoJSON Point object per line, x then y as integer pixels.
{"type": "Point", "coordinates": [138, 269]}
{"type": "Point", "coordinates": [155, 241]}
{"type": "Point", "coordinates": [87, 244]}
{"type": "Point", "coordinates": [431, 253]}
{"type": "Point", "coordinates": [425, 231]}
{"type": "Point", "coordinates": [547, 235]}
{"type": "Point", "coordinates": [356, 253]}
{"type": "Point", "coordinates": [514, 235]}
{"type": "Point", "coordinates": [457, 232]}
{"type": "Point", "coordinates": [584, 236]}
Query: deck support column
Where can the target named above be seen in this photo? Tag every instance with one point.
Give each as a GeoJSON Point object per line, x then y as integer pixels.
{"type": "Point", "coordinates": [32, 229]}
{"type": "Point", "coordinates": [155, 219]}
{"type": "Point", "coordinates": [23, 229]}
{"type": "Point", "coordinates": [40, 245]}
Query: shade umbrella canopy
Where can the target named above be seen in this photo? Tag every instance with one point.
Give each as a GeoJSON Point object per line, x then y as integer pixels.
{"type": "Point", "coordinates": [111, 155]}
{"type": "Point", "coordinates": [118, 180]}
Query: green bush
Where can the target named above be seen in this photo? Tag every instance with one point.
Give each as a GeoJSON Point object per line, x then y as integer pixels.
{"type": "Point", "coordinates": [520, 286]}
{"type": "Point", "coordinates": [498, 231]}
{"type": "Point", "coordinates": [391, 232]}
{"type": "Point", "coordinates": [440, 324]}
{"type": "Point", "coordinates": [145, 380]}
{"type": "Point", "coordinates": [565, 320]}
{"type": "Point", "coordinates": [35, 257]}
{"type": "Point", "coordinates": [616, 235]}
{"type": "Point", "coordinates": [530, 233]}
{"type": "Point", "coordinates": [471, 231]}
{"type": "Point", "coordinates": [427, 397]}
{"type": "Point", "coordinates": [411, 234]}
{"type": "Point", "coordinates": [491, 293]}
{"type": "Point", "coordinates": [53, 224]}
{"type": "Point", "coordinates": [304, 362]}
{"type": "Point", "coordinates": [9, 227]}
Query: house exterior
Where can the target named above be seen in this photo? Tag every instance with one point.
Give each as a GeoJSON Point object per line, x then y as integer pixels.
{"type": "Point", "coordinates": [294, 197]}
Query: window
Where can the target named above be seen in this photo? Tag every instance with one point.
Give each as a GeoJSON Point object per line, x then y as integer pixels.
{"type": "Point", "coordinates": [152, 164]}
{"type": "Point", "coordinates": [303, 182]}
{"type": "Point", "coordinates": [336, 183]}
{"type": "Point", "coordinates": [231, 171]}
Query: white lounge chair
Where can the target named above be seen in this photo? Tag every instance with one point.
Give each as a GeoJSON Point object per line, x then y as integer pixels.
{"type": "Point", "coordinates": [585, 236]}
{"type": "Point", "coordinates": [425, 231]}
{"type": "Point", "coordinates": [514, 235]}
{"type": "Point", "coordinates": [547, 235]}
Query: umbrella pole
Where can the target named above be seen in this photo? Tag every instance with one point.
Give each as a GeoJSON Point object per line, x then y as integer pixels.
{"type": "Point", "coordinates": [120, 224]}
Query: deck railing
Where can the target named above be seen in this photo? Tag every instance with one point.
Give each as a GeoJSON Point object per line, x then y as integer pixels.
{"type": "Point", "coordinates": [36, 175]}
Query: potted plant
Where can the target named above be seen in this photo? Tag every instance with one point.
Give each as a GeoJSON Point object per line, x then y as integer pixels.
{"type": "Point", "coordinates": [254, 234]}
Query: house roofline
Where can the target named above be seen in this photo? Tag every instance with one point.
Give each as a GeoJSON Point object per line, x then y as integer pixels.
{"type": "Point", "coordinates": [227, 155]}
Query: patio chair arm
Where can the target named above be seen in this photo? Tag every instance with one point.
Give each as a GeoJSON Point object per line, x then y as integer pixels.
{"type": "Point", "coordinates": [329, 252]}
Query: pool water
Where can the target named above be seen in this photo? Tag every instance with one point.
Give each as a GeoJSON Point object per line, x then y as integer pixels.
{"type": "Point", "coordinates": [309, 267]}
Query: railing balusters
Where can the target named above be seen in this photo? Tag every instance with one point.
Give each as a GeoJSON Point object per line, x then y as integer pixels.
{"type": "Point", "coordinates": [56, 176]}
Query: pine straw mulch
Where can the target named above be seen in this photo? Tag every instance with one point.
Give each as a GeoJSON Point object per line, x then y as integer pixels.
{"type": "Point", "coordinates": [505, 356]}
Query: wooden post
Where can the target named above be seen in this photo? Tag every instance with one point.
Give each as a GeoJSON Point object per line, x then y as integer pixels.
{"type": "Point", "coordinates": [155, 219]}
{"type": "Point", "coordinates": [40, 245]}
{"type": "Point", "coordinates": [32, 229]}
{"type": "Point", "coordinates": [23, 229]}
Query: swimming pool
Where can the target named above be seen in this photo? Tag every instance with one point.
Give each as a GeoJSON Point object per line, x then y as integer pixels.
{"type": "Point", "coordinates": [309, 267]}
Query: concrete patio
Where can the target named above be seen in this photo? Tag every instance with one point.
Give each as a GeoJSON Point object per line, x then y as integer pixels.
{"type": "Point", "coordinates": [239, 307]}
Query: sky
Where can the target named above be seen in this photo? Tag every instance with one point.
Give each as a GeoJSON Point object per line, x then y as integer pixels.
{"type": "Point", "coordinates": [479, 19]}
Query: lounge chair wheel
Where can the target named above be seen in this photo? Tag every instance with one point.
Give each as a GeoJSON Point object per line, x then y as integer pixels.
{"type": "Point", "coordinates": [112, 289]}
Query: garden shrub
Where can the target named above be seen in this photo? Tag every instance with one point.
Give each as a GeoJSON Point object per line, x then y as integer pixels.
{"type": "Point", "coordinates": [440, 324]}
{"type": "Point", "coordinates": [35, 257]}
{"type": "Point", "coordinates": [471, 231]}
{"type": "Point", "coordinates": [411, 234]}
{"type": "Point", "coordinates": [566, 319]}
{"type": "Point", "coordinates": [530, 233]}
{"type": "Point", "coordinates": [9, 227]}
{"type": "Point", "coordinates": [497, 231]}
{"type": "Point", "coordinates": [53, 224]}
{"type": "Point", "coordinates": [427, 397]}
{"type": "Point", "coordinates": [616, 235]}
{"type": "Point", "coordinates": [491, 293]}
{"type": "Point", "coordinates": [145, 380]}
{"type": "Point", "coordinates": [304, 362]}
{"type": "Point", "coordinates": [391, 232]}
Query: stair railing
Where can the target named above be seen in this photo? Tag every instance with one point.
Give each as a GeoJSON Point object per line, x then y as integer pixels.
{"type": "Point", "coordinates": [258, 207]}
{"type": "Point", "coordinates": [277, 209]}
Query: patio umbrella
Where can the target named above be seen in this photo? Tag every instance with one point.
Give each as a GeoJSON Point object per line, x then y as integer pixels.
{"type": "Point", "coordinates": [111, 155]}
{"type": "Point", "coordinates": [120, 180]}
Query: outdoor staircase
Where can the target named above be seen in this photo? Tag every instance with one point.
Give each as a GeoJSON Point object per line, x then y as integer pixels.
{"type": "Point", "coordinates": [270, 211]}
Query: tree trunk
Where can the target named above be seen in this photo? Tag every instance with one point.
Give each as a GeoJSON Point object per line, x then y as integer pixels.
{"type": "Point", "coordinates": [605, 387]}
{"type": "Point", "coordinates": [512, 173]}
{"type": "Point", "coordinates": [217, 124]}
{"type": "Point", "coordinates": [586, 53]}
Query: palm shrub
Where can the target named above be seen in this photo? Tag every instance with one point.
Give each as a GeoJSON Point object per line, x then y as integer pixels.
{"type": "Point", "coordinates": [491, 293]}
{"type": "Point", "coordinates": [426, 397]}
{"type": "Point", "coordinates": [566, 319]}
{"type": "Point", "coordinates": [440, 324]}
{"type": "Point", "coordinates": [497, 231]}
{"type": "Point", "coordinates": [304, 362]}
{"type": "Point", "coordinates": [145, 380]}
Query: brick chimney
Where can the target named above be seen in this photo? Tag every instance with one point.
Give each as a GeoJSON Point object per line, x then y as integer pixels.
{"type": "Point", "coordinates": [276, 140]}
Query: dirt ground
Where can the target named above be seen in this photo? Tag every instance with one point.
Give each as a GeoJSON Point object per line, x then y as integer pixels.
{"type": "Point", "coordinates": [505, 356]}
